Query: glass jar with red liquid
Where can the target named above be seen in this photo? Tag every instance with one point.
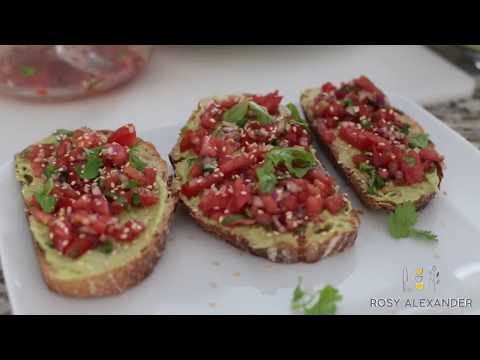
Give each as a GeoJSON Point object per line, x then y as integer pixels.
{"type": "Point", "coordinates": [56, 72]}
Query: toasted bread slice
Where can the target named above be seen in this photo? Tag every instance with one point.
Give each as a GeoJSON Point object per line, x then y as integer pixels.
{"type": "Point", "coordinates": [96, 274]}
{"type": "Point", "coordinates": [320, 236]}
{"type": "Point", "coordinates": [341, 153]}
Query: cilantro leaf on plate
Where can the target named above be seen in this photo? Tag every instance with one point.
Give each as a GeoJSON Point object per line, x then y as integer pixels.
{"type": "Point", "coordinates": [321, 302]}
{"type": "Point", "coordinates": [402, 220]}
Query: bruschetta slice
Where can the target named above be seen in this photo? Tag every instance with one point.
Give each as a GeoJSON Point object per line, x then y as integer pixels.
{"type": "Point", "coordinates": [247, 172]}
{"type": "Point", "coordinates": [385, 155]}
{"type": "Point", "coordinates": [98, 206]}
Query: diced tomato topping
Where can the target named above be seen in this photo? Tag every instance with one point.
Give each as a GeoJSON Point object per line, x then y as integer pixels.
{"type": "Point", "coordinates": [100, 205]}
{"type": "Point", "coordinates": [41, 216]}
{"type": "Point", "coordinates": [229, 103]}
{"type": "Point", "coordinates": [196, 170]}
{"type": "Point", "coordinates": [269, 101]}
{"type": "Point", "coordinates": [367, 85]}
{"type": "Point", "coordinates": [335, 204]}
{"type": "Point", "coordinates": [328, 87]}
{"type": "Point", "coordinates": [87, 140]}
{"type": "Point", "coordinates": [127, 232]}
{"type": "Point", "coordinates": [238, 163]}
{"type": "Point", "coordinates": [270, 204]}
{"type": "Point", "coordinates": [80, 245]}
{"type": "Point", "coordinates": [147, 197]}
{"type": "Point", "coordinates": [114, 154]}
{"type": "Point", "coordinates": [210, 116]}
{"type": "Point", "coordinates": [314, 205]}
{"type": "Point", "coordinates": [359, 159]}
{"type": "Point", "coordinates": [83, 203]}
{"type": "Point", "coordinates": [195, 186]}
{"type": "Point", "coordinates": [327, 136]}
{"type": "Point", "coordinates": [289, 203]}
{"type": "Point", "coordinates": [149, 176]}
{"type": "Point", "coordinates": [133, 173]}
{"type": "Point", "coordinates": [125, 135]}
{"type": "Point", "coordinates": [429, 154]}
{"type": "Point", "coordinates": [241, 193]}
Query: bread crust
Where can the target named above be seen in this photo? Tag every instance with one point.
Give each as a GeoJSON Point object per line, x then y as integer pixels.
{"type": "Point", "coordinates": [285, 253]}
{"type": "Point", "coordinates": [119, 279]}
{"type": "Point", "coordinates": [348, 174]}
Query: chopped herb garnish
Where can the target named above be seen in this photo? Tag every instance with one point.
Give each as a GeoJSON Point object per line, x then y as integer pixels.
{"type": "Point", "coordinates": [50, 169]}
{"type": "Point", "coordinates": [230, 219]}
{"type": "Point", "coordinates": [366, 124]}
{"type": "Point", "coordinates": [266, 176]}
{"type": "Point", "coordinates": [237, 114]}
{"type": "Point", "coordinates": [62, 132]}
{"type": "Point", "coordinates": [131, 184]}
{"type": "Point", "coordinates": [135, 160]}
{"type": "Point", "coordinates": [410, 161]}
{"type": "Point", "coordinates": [375, 182]}
{"type": "Point", "coordinates": [28, 71]}
{"type": "Point", "coordinates": [402, 220]}
{"type": "Point", "coordinates": [210, 165]}
{"type": "Point", "coordinates": [321, 302]}
{"type": "Point", "coordinates": [297, 119]}
{"type": "Point", "coordinates": [46, 202]}
{"type": "Point", "coordinates": [117, 198]}
{"type": "Point", "coordinates": [405, 129]}
{"type": "Point", "coordinates": [348, 102]}
{"type": "Point", "coordinates": [136, 199]}
{"type": "Point", "coordinates": [418, 141]}
{"type": "Point", "coordinates": [297, 161]}
{"type": "Point", "coordinates": [106, 248]}
{"type": "Point", "coordinates": [261, 113]}
{"type": "Point", "coordinates": [92, 166]}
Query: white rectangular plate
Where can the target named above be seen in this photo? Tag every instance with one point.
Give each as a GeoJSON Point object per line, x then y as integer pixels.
{"type": "Point", "coordinates": [200, 274]}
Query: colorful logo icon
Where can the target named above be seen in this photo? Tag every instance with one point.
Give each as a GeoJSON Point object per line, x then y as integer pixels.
{"type": "Point", "coordinates": [420, 281]}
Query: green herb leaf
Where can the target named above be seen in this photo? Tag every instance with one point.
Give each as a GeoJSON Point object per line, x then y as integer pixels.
{"type": "Point", "coordinates": [106, 248]}
{"type": "Point", "coordinates": [322, 302]}
{"type": "Point", "coordinates": [410, 161]}
{"type": "Point", "coordinates": [261, 113]}
{"type": "Point", "coordinates": [297, 160]}
{"type": "Point", "coordinates": [191, 160]}
{"type": "Point", "coordinates": [28, 71]}
{"type": "Point", "coordinates": [375, 182]}
{"type": "Point", "coordinates": [237, 114]}
{"type": "Point", "coordinates": [92, 166]}
{"type": "Point", "coordinates": [136, 199]}
{"type": "Point", "coordinates": [135, 160]}
{"type": "Point", "coordinates": [366, 124]}
{"type": "Point", "coordinates": [46, 202]}
{"type": "Point", "coordinates": [348, 102]}
{"type": "Point", "coordinates": [423, 234]}
{"type": "Point", "coordinates": [402, 219]}
{"type": "Point", "coordinates": [229, 219]}
{"type": "Point", "coordinates": [131, 184]}
{"type": "Point", "coordinates": [62, 132]}
{"type": "Point", "coordinates": [50, 169]}
{"type": "Point", "coordinates": [405, 129]}
{"type": "Point", "coordinates": [419, 141]}
{"type": "Point", "coordinates": [210, 165]}
{"type": "Point", "coordinates": [266, 176]}
{"type": "Point", "coordinates": [117, 198]}
{"type": "Point", "coordinates": [296, 116]}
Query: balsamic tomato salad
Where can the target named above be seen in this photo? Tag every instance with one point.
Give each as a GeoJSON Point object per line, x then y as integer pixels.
{"type": "Point", "coordinates": [391, 149]}
{"type": "Point", "coordinates": [89, 179]}
{"type": "Point", "coordinates": [252, 162]}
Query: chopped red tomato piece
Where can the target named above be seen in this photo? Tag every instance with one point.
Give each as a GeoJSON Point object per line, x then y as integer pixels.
{"type": "Point", "coordinates": [335, 204]}
{"type": "Point", "coordinates": [133, 173]}
{"type": "Point", "coordinates": [80, 245]}
{"type": "Point", "coordinates": [114, 154]}
{"type": "Point", "coordinates": [314, 205]}
{"type": "Point", "coordinates": [430, 154]}
{"type": "Point", "coordinates": [269, 204]}
{"type": "Point", "coordinates": [127, 232]}
{"type": "Point", "coordinates": [147, 197]}
{"type": "Point", "coordinates": [41, 216]}
{"type": "Point", "coordinates": [328, 87]}
{"type": "Point", "coordinates": [125, 135]}
{"type": "Point", "coordinates": [269, 101]}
